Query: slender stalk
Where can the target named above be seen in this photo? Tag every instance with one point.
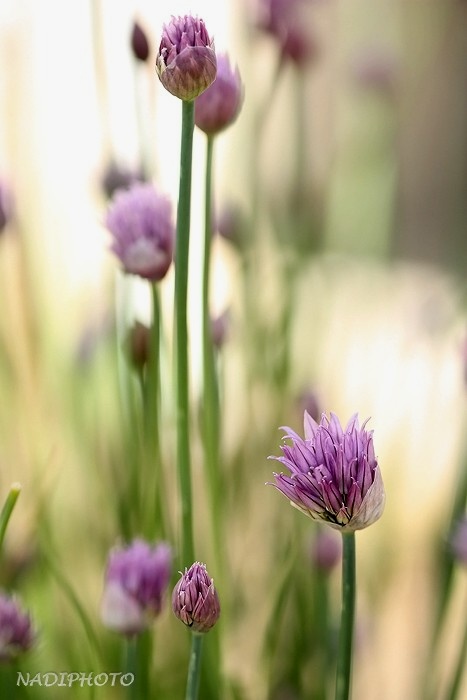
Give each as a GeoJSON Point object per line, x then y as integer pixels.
{"type": "Point", "coordinates": [7, 510]}
{"type": "Point", "coordinates": [181, 334]}
{"type": "Point", "coordinates": [138, 658]}
{"type": "Point", "coordinates": [194, 667]}
{"type": "Point", "coordinates": [459, 670]}
{"type": "Point", "coordinates": [344, 658]}
{"type": "Point", "coordinates": [131, 663]}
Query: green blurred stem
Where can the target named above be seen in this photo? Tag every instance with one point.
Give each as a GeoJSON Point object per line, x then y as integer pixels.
{"type": "Point", "coordinates": [344, 658]}
{"type": "Point", "coordinates": [181, 333]}
{"type": "Point", "coordinates": [7, 510]}
{"type": "Point", "coordinates": [459, 670]}
{"type": "Point", "coordinates": [194, 667]}
{"type": "Point", "coordinates": [138, 659]}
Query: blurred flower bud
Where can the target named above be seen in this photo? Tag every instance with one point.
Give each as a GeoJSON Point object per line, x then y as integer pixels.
{"type": "Point", "coordinates": [135, 582]}
{"type": "Point", "coordinates": [284, 20]}
{"type": "Point", "coordinates": [325, 550]}
{"type": "Point", "coordinates": [194, 599]}
{"type": "Point", "coordinates": [218, 106]}
{"type": "Point", "coordinates": [140, 221]}
{"type": "Point", "coordinates": [375, 68]}
{"type": "Point", "coordinates": [458, 541]}
{"type": "Point", "coordinates": [16, 631]}
{"type": "Point", "coordinates": [117, 177]}
{"type": "Point", "coordinates": [5, 206]}
{"type": "Point", "coordinates": [229, 224]}
{"type": "Point", "coordinates": [186, 62]}
{"type": "Point", "coordinates": [308, 401]}
{"type": "Point", "coordinates": [137, 345]}
{"type": "Point", "coordinates": [139, 43]}
{"type": "Point", "coordinates": [220, 328]}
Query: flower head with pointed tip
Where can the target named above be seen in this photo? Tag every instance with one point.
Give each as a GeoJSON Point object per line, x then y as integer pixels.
{"type": "Point", "coordinates": [334, 474]}
{"type": "Point", "coordinates": [195, 601]}
{"type": "Point", "coordinates": [219, 105]}
{"type": "Point", "coordinates": [186, 61]}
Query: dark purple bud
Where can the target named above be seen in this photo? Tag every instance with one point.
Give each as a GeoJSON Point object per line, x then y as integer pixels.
{"type": "Point", "coordinates": [136, 580]}
{"type": "Point", "coordinates": [219, 105]}
{"type": "Point", "coordinates": [137, 345]}
{"type": "Point", "coordinates": [186, 62]}
{"type": "Point", "coordinates": [139, 43]}
{"type": "Point", "coordinates": [140, 221]}
{"type": "Point", "coordinates": [118, 177]}
{"type": "Point", "coordinates": [16, 631]}
{"type": "Point", "coordinates": [194, 599]}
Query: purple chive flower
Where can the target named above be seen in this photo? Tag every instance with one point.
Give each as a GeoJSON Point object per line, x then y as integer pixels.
{"type": "Point", "coordinates": [194, 599]}
{"type": "Point", "coordinates": [5, 206]}
{"type": "Point", "coordinates": [220, 328]}
{"type": "Point", "coordinates": [458, 541]}
{"type": "Point", "coordinates": [284, 21]}
{"type": "Point", "coordinates": [186, 62]}
{"type": "Point", "coordinates": [117, 177]}
{"type": "Point", "coordinates": [334, 474]}
{"type": "Point", "coordinates": [135, 582]}
{"type": "Point", "coordinates": [325, 550]}
{"type": "Point", "coordinates": [139, 43]}
{"type": "Point", "coordinates": [140, 221]}
{"type": "Point", "coordinates": [16, 631]}
{"type": "Point", "coordinates": [219, 105]}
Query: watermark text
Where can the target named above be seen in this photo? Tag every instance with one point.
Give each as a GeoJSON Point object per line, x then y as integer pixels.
{"type": "Point", "coordinates": [67, 680]}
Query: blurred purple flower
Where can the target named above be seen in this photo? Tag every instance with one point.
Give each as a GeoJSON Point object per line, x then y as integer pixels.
{"type": "Point", "coordinates": [139, 43]}
{"type": "Point", "coordinates": [194, 599]}
{"type": "Point", "coordinates": [135, 582]}
{"type": "Point", "coordinates": [220, 328]}
{"type": "Point", "coordinates": [308, 401]}
{"type": "Point", "coordinates": [229, 224]}
{"type": "Point", "coordinates": [459, 541]}
{"type": "Point", "coordinates": [218, 106]}
{"type": "Point", "coordinates": [325, 550]}
{"type": "Point", "coordinates": [284, 20]}
{"type": "Point", "coordinates": [140, 221]}
{"type": "Point", "coordinates": [186, 62]}
{"type": "Point", "coordinates": [16, 631]}
{"type": "Point", "coordinates": [117, 177]}
{"type": "Point", "coordinates": [375, 68]}
{"type": "Point", "coordinates": [5, 206]}
{"type": "Point", "coordinates": [334, 473]}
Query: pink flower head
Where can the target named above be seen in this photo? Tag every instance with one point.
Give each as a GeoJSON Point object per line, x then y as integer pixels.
{"type": "Point", "coordinates": [218, 106]}
{"type": "Point", "coordinates": [194, 599]}
{"type": "Point", "coordinates": [16, 631]}
{"type": "Point", "coordinates": [186, 62]}
{"type": "Point", "coordinates": [334, 474]}
{"type": "Point", "coordinates": [135, 582]}
{"type": "Point", "coordinates": [140, 221]}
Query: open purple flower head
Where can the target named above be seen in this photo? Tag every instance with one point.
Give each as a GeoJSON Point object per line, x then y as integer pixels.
{"type": "Point", "coordinates": [140, 221]}
{"type": "Point", "coordinates": [186, 61]}
{"type": "Point", "coordinates": [334, 474]}
{"type": "Point", "coordinates": [194, 599]}
{"type": "Point", "coordinates": [16, 630]}
{"type": "Point", "coordinates": [136, 580]}
{"type": "Point", "coordinates": [218, 106]}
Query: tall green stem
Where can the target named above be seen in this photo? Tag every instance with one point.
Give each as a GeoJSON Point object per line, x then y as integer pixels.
{"type": "Point", "coordinates": [459, 670]}
{"type": "Point", "coordinates": [194, 667]}
{"type": "Point", "coordinates": [344, 659]}
{"type": "Point", "coordinates": [181, 333]}
{"type": "Point", "coordinates": [7, 510]}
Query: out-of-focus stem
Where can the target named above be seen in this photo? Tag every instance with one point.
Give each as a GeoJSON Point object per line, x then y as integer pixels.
{"type": "Point", "coordinates": [7, 510]}
{"type": "Point", "coordinates": [344, 658]}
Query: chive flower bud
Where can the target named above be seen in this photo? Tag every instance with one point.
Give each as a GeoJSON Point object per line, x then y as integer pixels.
{"type": "Point", "coordinates": [334, 474]}
{"type": "Point", "coordinates": [458, 541]}
{"type": "Point", "coordinates": [325, 550]}
{"type": "Point", "coordinates": [5, 207]}
{"type": "Point", "coordinates": [135, 582]}
{"type": "Point", "coordinates": [219, 105]}
{"type": "Point", "coordinates": [194, 599]}
{"type": "Point", "coordinates": [140, 221]}
{"type": "Point", "coordinates": [186, 62]}
{"type": "Point", "coordinates": [118, 177]}
{"type": "Point", "coordinates": [139, 43]}
{"type": "Point", "coordinates": [16, 630]}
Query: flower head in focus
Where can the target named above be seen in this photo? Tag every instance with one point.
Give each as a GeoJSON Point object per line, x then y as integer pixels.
{"type": "Point", "coordinates": [194, 599]}
{"type": "Point", "coordinates": [218, 106]}
{"type": "Point", "coordinates": [16, 630]}
{"type": "Point", "coordinates": [140, 221]}
{"type": "Point", "coordinates": [334, 474]}
{"type": "Point", "coordinates": [186, 61]}
{"type": "Point", "coordinates": [458, 541]}
{"type": "Point", "coordinates": [135, 582]}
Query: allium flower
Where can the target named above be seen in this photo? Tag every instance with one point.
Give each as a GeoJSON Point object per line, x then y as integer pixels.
{"type": "Point", "coordinates": [334, 475]}
{"type": "Point", "coordinates": [16, 631]}
{"type": "Point", "coordinates": [283, 20]}
{"type": "Point", "coordinates": [135, 582]}
{"type": "Point", "coordinates": [459, 541]}
{"type": "Point", "coordinates": [325, 550]}
{"type": "Point", "coordinates": [117, 177]}
{"type": "Point", "coordinates": [186, 62]}
{"type": "Point", "coordinates": [140, 220]}
{"type": "Point", "coordinates": [139, 43]}
{"type": "Point", "coordinates": [219, 105]}
{"type": "Point", "coordinates": [194, 599]}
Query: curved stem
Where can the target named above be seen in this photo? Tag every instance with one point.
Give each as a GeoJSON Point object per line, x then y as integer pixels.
{"type": "Point", "coordinates": [194, 667]}
{"type": "Point", "coordinates": [181, 333]}
{"type": "Point", "coordinates": [344, 658]}
{"type": "Point", "coordinates": [7, 510]}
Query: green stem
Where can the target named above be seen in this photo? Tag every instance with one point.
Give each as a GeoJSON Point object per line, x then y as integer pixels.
{"type": "Point", "coordinates": [138, 658]}
{"type": "Point", "coordinates": [344, 659]}
{"type": "Point", "coordinates": [7, 510]}
{"type": "Point", "coordinates": [194, 667]}
{"type": "Point", "coordinates": [181, 333]}
{"type": "Point", "coordinates": [459, 670]}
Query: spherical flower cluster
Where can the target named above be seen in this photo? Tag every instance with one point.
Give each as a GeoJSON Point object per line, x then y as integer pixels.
{"type": "Point", "coordinates": [140, 221]}
{"type": "Point", "coordinates": [186, 62]}
{"type": "Point", "coordinates": [135, 582]}
{"type": "Point", "coordinates": [219, 105]}
{"type": "Point", "coordinates": [334, 475]}
{"type": "Point", "coordinates": [16, 630]}
{"type": "Point", "coordinates": [195, 601]}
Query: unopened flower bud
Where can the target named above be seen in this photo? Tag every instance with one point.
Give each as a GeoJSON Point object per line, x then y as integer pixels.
{"type": "Point", "coordinates": [186, 62]}
{"type": "Point", "coordinates": [194, 599]}
{"type": "Point", "coordinates": [220, 328]}
{"type": "Point", "coordinates": [117, 177]}
{"type": "Point", "coordinates": [325, 550]}
{"type": "Point", "coordinates": [137, 345]}
{"type": "Point", "coordinates": [139, 43]}
{"type": "Point", "coordinates": [16, 631]}
{"type": "Point", "coordinates": [5, 206]}
{"type": "Point", "coordinates": [458, 541]}
{"type": "Point", "coordinates": [219, 105]}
